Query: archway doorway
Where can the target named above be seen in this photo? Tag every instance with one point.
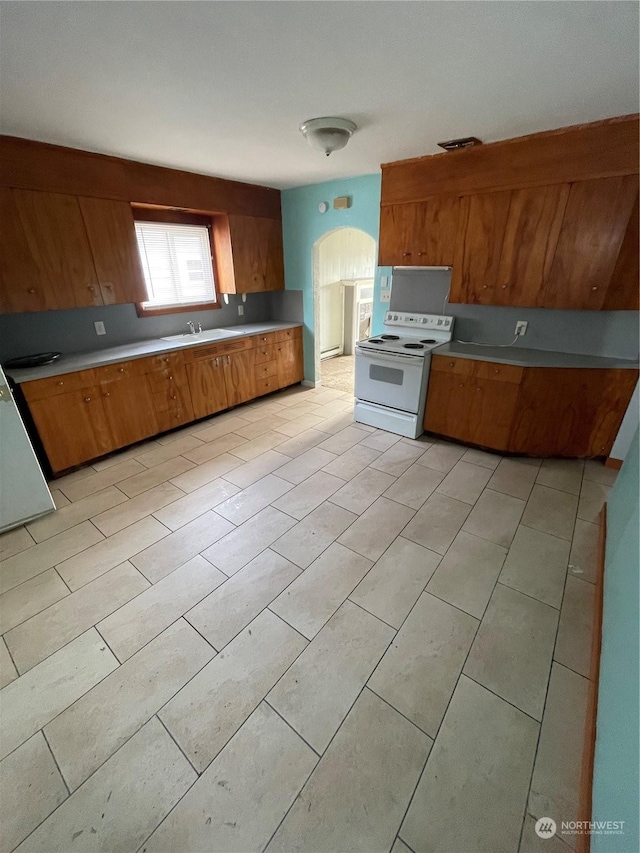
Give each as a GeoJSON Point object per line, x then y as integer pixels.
{"type": "Point", "coordinates": [343, 270]}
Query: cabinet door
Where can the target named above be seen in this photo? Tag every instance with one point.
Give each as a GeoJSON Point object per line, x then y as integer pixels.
{"type": "Point", "coordinates": [22, 288]}
{"type": "Point", "coordinates": [420, 233]}
{"type": "Point", "coordinates": [240, 377]}
{"type": "Point", "coordinates": [129, 410]}
{"type": "Point", "coordinates": [622, 293]}
{"type": "Point", "coordinates": [207, 386]}
{"type": "Point", "coordinates": [290, 362]}
{"type": "Point", "coordinates": [72, 427]}
{"type": "Point", "coordinates": [480, 235]}
{"type": "Point", "coordinates": [530, 239]}
{"type": "Point", "coordinates": [58, 244]}
{"type": "Point", "coordinates": [594, 226]}
{"type": "Point", "coordinates": [256, 247]}
{"type": "Point", "coordinates": [111, 231]}
{"type": "Point", "coordinates": [478, 411]}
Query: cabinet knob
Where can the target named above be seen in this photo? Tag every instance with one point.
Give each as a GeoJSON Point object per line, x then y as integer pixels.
{"type": "Point", "coordinates": [170, 377]}
{"type": "Point", "coordinates": [484, 286]}
{"type": "Point", "coordinates": [165, 359]}
{"type": "Point", "coordinates": [406, 254]}
{"type": "Point", "coordinates": [107, 394]}
{"type": "Point", "coordinates": [478, 389]}
{"type": "Point", "coordinates": [61, 382]}
{"type": "Point", "coordinates": [594, 288]}
{"type": "Point", "coordinates": [452, 364]}
{"type": "Point", "coordinates": [32, 290]}
{"type": "Point", "coordinates": [108, 285]}
{"type": "Point", "coordinates": [87, 399]}
{"type": "Point", "coordinates": [420, 254]}
{"type": "Point", "coordinates": [461, 385]}
{"type": "Point", "coordinates": [174, 397]}
{"type": "Point", "coordinates": [121, 370]}
{"type": "Point", "coordinates": [503, 286]}
{"type": "Point", "coordinates": [497, 370]}
{"type": "Point", "coordinates": [91, 287]}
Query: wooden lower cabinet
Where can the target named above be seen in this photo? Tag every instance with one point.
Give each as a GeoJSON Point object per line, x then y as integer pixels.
{"type": "Point", "coordinates": [81, 416]}
{"type": "Point", "coordinates": [536, 411]}
{"type": "Point", "coordinates": [72, 426]}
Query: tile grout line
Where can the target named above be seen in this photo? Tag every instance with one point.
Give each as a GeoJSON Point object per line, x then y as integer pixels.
{"type": "Point", "coordinates": [55, 761]}
{"type": "Point", "coordinates": [290, 725]}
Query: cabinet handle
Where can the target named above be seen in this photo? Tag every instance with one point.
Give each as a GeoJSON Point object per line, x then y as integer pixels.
{"type": "Point", "coordinates": [87, 399]}
{"type": "Point", "coordinates": [228, 359]}
{"type": "Point", "coordinates": [217, 362]}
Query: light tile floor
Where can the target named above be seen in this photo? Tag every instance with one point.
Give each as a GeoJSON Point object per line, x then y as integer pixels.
{"type": "Point", "coordinates": [280, 630]}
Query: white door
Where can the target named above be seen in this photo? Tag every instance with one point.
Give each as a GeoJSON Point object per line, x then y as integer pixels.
{"type": "Point", "coordinates": [332, 319]}
{"type": "Point", "coordinates": [24, 494]}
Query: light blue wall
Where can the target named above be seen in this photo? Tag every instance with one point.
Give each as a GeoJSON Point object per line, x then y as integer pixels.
{"type": "Point", "coordinates": [303, 225]}
{"type": "Point", "coordinates": [616, 791]}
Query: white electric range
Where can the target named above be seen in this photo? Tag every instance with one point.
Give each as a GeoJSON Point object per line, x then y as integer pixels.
{"type": "Point", "coordinates": [392, 371]}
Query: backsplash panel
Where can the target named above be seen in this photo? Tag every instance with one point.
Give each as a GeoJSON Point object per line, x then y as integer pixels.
{"type": "Point", "coordinates": [73, 330]}
{"type": "Point", "coordinates": [604, 333]}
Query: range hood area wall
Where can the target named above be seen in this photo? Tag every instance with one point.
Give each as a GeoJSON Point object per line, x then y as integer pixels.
{"type": "Point", "coordinates": [73, 330]}
{"type": "Point", "coordinates": [605, 333]}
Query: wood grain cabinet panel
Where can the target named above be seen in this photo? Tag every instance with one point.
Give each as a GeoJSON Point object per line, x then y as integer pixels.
{"type": "Point", "coordinates": [290, 363]}
{"type": "Point", "coordinates": [623, 291]}
{"type": "Point", "coordinates": [249, 254]}
{"type": "Point", "coordinates": [474, 410]}
{"type": "Point", "coordinates": [239, 377]}
{"type": "Point", "coordinates": [419, 233]}
{"type": "Point", "coordinates": [73, 427]}
{"type": "Point", "coordinates": [530, 239]}
{"type": "Point", "coordinates": [594, 226]}
{"type": "Point", "coordinates": [111, 232]}
{"type": "Point", "coordinates": [58, 243]}
{"type": "Point", "coordinates": [207, 386]}
{"type": "Point", "coordinates": [129, 410]}
{"type": "Point", "coordinates": [480, 235]}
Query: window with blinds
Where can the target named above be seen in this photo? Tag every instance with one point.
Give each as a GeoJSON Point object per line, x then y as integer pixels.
{"type": "Point", "coordinates": [176, 260]}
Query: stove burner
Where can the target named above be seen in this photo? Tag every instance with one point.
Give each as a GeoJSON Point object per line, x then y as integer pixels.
{"type": "Point", "coordinates": [375, 341]}
{"type": "Point", "coordinates": [390, 337]}
{"type": "Point", "coordinates": [428, 341]}
{"type": "Point", "coordinates": [413, 346]}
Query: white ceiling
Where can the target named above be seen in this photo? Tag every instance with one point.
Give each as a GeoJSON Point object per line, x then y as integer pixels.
{"type": "Point", "coordinates": [221, 87]}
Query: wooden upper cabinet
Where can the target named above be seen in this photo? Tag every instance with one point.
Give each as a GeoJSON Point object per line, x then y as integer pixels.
{"type": "Point", "coordinates": [419, 233]}
{"type": "Point", "coordinates": [594, 226]}
{"type": "Point", "coordinates": [111, 232]}
{"type": "Point", "coordinates": [481, 231]}
{"type": "Point", "coordinates": [623, 291]}
{"type": "Point", "coordinates": [57, 240]}
{"type": "Point", "coordinates": [22, 287]}
{"type": "Point", "coordinates": [531, 235]}
{"type": "Point", "coordinates": [249, 254]}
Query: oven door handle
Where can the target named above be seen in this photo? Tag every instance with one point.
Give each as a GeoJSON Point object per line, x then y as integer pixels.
{"type": "Point", "coordinates": [393, 359]}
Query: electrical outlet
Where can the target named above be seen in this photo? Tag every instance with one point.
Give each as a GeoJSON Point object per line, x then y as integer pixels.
{"type": "Point", "coordinates": [385, 296]}
{"type": "Point", "coordinates": [99, 327]}
{"type": "Point", "coordinates": [240, 310]}
{"type": "Point", "coordinates": [521, 328]}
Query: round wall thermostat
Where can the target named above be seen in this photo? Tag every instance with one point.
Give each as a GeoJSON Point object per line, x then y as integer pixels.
{"type": "Point", "coordinates": [323, 207]}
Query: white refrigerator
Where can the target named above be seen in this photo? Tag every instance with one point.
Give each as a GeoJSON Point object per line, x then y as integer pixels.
{"type": "Point", "coordinates": [24, 494]}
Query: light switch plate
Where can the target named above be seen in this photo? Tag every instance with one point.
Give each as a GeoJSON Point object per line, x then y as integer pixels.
{"type": "Point", "coordinates": [384, 281]}
{"type": "Point", "coordinates": [99, 327]}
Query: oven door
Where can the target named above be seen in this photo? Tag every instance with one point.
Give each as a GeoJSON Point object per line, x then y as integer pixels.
{"type": "Point", "coordinates": [389, 380]}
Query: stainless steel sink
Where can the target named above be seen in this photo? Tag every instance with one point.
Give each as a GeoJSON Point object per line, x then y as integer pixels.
{"type": "Point", "coordinates": [207, 335]}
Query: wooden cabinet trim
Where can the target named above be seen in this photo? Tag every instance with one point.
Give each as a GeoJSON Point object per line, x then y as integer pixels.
{"type": "Point", "coordinates": [606, 148]}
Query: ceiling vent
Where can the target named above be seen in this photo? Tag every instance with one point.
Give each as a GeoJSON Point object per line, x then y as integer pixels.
{"type": "Point", "coordinates": [455, 144]}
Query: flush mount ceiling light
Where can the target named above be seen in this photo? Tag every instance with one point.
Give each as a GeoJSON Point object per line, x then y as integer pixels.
{"type": "Point", "coordinates": [328, 133]}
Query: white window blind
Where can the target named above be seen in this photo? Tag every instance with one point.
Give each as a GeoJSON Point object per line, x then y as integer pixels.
{"type": "Point", "coordinates": [176, 260]}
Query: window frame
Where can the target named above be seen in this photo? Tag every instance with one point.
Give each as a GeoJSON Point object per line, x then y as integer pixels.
{"type": "Point", "coordinates": [178, 217]}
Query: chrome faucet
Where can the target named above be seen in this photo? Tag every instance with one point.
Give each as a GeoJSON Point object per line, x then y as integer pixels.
{"type": "Point", "coordinates": [192, 328]}
{"type": "Point", "coordinates": [199, 328]}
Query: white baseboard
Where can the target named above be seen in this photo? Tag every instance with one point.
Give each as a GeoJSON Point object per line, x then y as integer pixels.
{"type": "Point", "coordinates": [309, 383]}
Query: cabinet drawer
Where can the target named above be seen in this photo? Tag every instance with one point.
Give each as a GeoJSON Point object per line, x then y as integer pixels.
{"type": "Point", "coordinates": [480, 369]}
{"type": "Point", "coordinates": [264, 352]}
{"type": "Point", "coordinates": [288, 334]}
{"type": "Point", "coordinates": [266, 385]}
{"type": "Point", "coordinates": [212, 350]}
{"type": "Point", "coordinates": [260, 340]}
{"type": "Point", "coordinates": [171, 418]}
{"type": "Point", "coordinates": [269, 368]}
{"type": "Point", "coordinates": [162, 380]}
{"type": "Point", "coordinates": [164, 361]}
{"type": "Point", "coordinates": [119, 370]}
{"type": "Point", "coordinates": [40, 389]}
